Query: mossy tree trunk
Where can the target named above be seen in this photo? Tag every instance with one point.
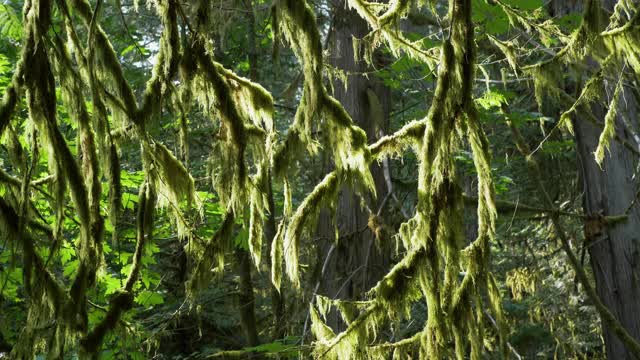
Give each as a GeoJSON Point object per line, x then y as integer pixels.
{"type": "Point", "coordinates": [357, 262]}
{"type": "Point", "coordinates": [614, 249]}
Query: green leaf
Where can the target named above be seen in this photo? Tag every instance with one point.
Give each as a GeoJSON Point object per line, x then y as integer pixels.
{"type": "Point", "coordinates": [70, 268]}
{"type": "Point", "coordinates": [135, 47]}
{"type": "Point", "coordinates": [10, 25]}
{"type": "Point", "coordinates": [555, 147]}
{"type": "Point", "coordinates": [492, 99]}
{"type": "Point", "coordinates": [11, 280]}
{"type": "Point", "coordinates": [126, 269]}
{"type": "Point", "coordinates": [66, 253]}
{"type": "Point", "coordinates": [149, 298]}
{"type": "Point", "coordinates": [243, 66]}
{"type": "Point", "coordinates": [495, 20]}
{"type": "Point", "coordinates": [131, 179]}
{"type": "Point", "coordinates": [137, 355]}
{"type": "Point", "coordinates": [502, 184]}
{"type": "Point", "coordinates": [107, 355]}
{"type": "Point", "coordinates": [241, 240]}
{"type": "Point", "coordinates": [129, 200]}
{"type": "Point", "coordinates": [5, 65]}
{"type": "Point", "coordinates": [124, 257]}
{"type": "Point", "coordinates": [570, 22]}
{"type": "Point", "coordinates": [111, 284]}
{"type": "Point", "coordinates": [148, 259]}
{"type": "Point", "coordinates": [149, 278]}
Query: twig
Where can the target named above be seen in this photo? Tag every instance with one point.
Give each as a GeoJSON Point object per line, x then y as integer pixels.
{"type": "Point", "coordinates": [315, 290]}
{"type": "Point", "coordinates": [495, 325]}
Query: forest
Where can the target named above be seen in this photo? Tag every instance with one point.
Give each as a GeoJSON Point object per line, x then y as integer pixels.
{"type": "Point", "coordinates": [320, 179]}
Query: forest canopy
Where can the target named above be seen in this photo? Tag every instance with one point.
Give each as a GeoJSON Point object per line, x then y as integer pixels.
{"type": "Point", "coordinates": [319, 179]}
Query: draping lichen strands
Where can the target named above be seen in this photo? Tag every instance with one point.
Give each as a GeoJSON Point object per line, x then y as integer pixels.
{"type": "Point", "coordinates": [323, 194]}
{"type": "Point", "coordinates": [245, 110]}
{"type": "Point", "coordinates": [385, 29]}
{"type": "Point", "coordinates": [100, 67]}
{"type": "Point", "coordinates": [433, 237]}
{"type": "Point", "coordinates": [608, 132]}
{"type": "Point", "coordinates": [122, 300]}
{"type": "Point", "coordinates": [347, 141]}
{"type": "Point", "coordinates": [49, 301]}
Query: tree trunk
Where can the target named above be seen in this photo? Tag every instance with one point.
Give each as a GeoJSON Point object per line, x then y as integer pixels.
{"type": "Point", "coordinates": [277, 297]}
{"type": "Point", "coordinates": [277, 303]}
{"type": "Point", "coordinates": [613, 248]}
{"type": "Point", "coordinates": [245, 296]}
{"type": "Point", "coordinates": [357, 262]}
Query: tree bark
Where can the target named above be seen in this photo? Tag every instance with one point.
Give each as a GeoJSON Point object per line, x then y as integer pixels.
{"type": "Point", "coordinates": [246, 299]}
{"type": "Point", "coordinates": [614, 248]}
{"type": "Point", "coordinates": [357, 262]}
{"type": "Point", "coordinates": [277, 297]}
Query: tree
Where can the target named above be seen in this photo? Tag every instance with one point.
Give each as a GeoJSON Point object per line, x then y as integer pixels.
{"type": "Point", "coordinates": [609, 184]}
{"type": "Point", "coordinates": [356, 259]}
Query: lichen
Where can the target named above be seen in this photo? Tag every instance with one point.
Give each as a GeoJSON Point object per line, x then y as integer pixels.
{"type": "Point", "coordinates": [609, 131]}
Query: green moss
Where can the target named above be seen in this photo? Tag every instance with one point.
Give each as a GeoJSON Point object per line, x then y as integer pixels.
{"type": "Point", "coordinates": [174, 183]}
{"type": "Point", "coordinates": [434, 237]}
{"type": "Point", "coordinates": [609, 131]}
{"type": "Point", "coordinates": [323, 195]}
{"type": "Point", "coordinates": [209, 256]}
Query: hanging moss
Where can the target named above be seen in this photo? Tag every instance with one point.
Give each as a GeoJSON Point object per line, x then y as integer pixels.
{"type": "Point", "coordinates": [119, 303]}
{"type": "Point", "coordinates": [42, 109]}
{"type": "Point", "coordinates": [10, 99]}
{"type": "Point", "coordinates": [257, 208]}
{"type": "Point", "coordinates": [47, 296]}
{"type": "Point", "coordinates": [590, 92]}
{"type": "Point", "coordinates": [545, 80]}
{"type": "Point", "coordinates": [434, 236]}
{"type": "Point", "coordinates": [385, 29]}
{"type": "Point", "coordinates": [122, 300]}
{"type": "Point", "coordinates": [234, 169]}
{"type": "Point", "coordinates": [210, 255]}
{"type": "Point", "coordinates": [322, 196]}
{"type": "Point", "coordinates": [97, 66]}
{"type": "Point", "coordinates": [72, 96]}
{"type": "Point", "coordinates": [605, 314]}
{"type": "Point", "coordinates": [623, 41]}
{"type": "Point", "coordinates": [174, 183]}
{"type": "Point", "coordinates": [277, 249]}
{"type": "Point", "coordinates": [347, 141]}
{"type": "Point", "coordinates": [508, 49]}
{"type": "Point", "coordinates": [167, 61]}
{"type": "Point", "coordinates": [429, 271]}
{"type": "Point", "coordinates": [395, 144]}
{"type": "Point", "coordinates": [609, 131]}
